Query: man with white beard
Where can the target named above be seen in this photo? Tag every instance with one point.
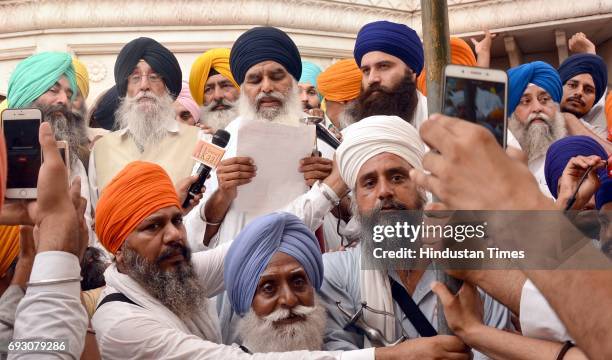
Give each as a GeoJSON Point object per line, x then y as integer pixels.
{"type": "Point", "coordinates": [272, 272]}
{"type": "Point", "coordinates": [148, 80]}
{"type": "Point", "coordinates": [534, 92]}
{"type": "Point", "coordinates": [213, 87]}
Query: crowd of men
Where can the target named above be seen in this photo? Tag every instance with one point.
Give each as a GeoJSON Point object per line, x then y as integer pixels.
{"type": "Point", "coordinates": [110, 263]}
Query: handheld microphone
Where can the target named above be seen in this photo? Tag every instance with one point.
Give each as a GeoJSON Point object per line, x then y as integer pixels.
{"type": "Point", "coordinates": [220, 139]}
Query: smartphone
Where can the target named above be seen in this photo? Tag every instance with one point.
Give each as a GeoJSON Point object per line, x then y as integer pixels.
{"type": "Point", "coordinates": [478, 95]}
{"type": "Point", "coordinates": [20, 127]}
{"type": "Point", "coordinates": [64, 150]}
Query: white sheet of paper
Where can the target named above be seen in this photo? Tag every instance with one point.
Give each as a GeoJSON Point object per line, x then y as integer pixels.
{"type": "Point", "coordinates": [276, 150]}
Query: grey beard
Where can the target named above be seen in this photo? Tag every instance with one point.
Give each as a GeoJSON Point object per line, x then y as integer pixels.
{"type": "Point", "coordinates": [146, 123]}
{"type": "Point", "coordinates": [346, 118]}
{"type": "Point", "coordinates": [289, 113]}
{"type": "Point", "coordinates": [178, 288]}
{"type": "Point", "coordinates": [536, 139]}
{"type": "Point", "coordinates": [218, 119]}
{"type": "Point", "coordinates": [261, 335]}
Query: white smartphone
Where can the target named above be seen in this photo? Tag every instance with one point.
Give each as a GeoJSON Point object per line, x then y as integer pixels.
{"type": "Point", "coordinates": [64, 150]}
{"type": "Point", "coordinates": [20, 127]}
{"type": "Point", "coordinates": [478, 95]}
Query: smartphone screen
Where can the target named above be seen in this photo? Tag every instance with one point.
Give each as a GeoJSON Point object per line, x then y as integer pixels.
{"type": "Point", "coordinates": [478, 101]}
{"type": "Point", "coordinates": [23, 152]}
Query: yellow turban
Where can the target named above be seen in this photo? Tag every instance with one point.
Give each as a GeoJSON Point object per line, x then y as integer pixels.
{"type": "Point", "coordinates": [82, 77]}
{"type": "Point", "coordinates": [341, 81]}
{"type": "Point", "coordinates": [3, 104]}
{"type": "Point", "coordinates": [461, 54]}
{"type": "Point", "coordinates": [9, 246]}
{"type": "Point", "coordinates": [217, 59]}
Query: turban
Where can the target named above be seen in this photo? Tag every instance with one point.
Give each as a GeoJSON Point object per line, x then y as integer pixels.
{"type": "Point", "coordinates": [9, 247]}
{"type": "Point", "coordinates": [262, 44]}
{"type": "Point", "coordinates": [538, 73]}
{"type": "Point", "coordinates": [604, 193]}
{"type": "Point", "coordinates": [104, 113]}
{"type": "Point", "coordinates": [310, 72]}
{"type": "Point", "coordinates": [461, 54]}
{"type": "Point", "coordinates": [394, 39]}
{"type": "Point", "coordinates": [341, 81]}
{"type": "Point", "coordinates": [590, 64]}
{"type": "Point", "coordinates": [37, 74]}
{"type": "Point", "coordinates": [160, 59]}
{"type": "Point", "coordinates": [561, 151]}
{"type": "Point", "coordinates": [82, 77]}
{"type": "Point", "coordinates": [608, 110]}
{"type": "Point", "coordinates": [251, 251]}
{"type": "Point", "coordinates": [187, 101]}
{"type": "Point", "coordinates": [217, 59]}
{"type": "Point", "coordinates": [375, 135]}
{"type": "Point", "coordinates": [136, 192]}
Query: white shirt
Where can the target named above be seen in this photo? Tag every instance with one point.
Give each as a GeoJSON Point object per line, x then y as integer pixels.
{"type": "Point", "coordinates": [595, 119]}
{"type": "Point", "coordinates": [538, 319]}
{"type": "Point", "coordinates": [53, 312]}
{"type": "Point", "coordinates": [77, 169]}
{"type": "Point", "coordinates": [536, 166]}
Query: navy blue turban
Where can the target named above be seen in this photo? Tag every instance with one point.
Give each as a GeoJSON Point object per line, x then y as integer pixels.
{"type": "Point", "coordinates": [604, 193]}
{"type": "Point", "coordinates": [391, 38]}
{"type": "Point", "coordinates": [249, 254]}
{"type": "Point", "coordinates": [561, 151]}
{"type": "Point", "coordinates": [104, 113]}
{"type": "Point", "coordinates": [590, 64]}
{"type": "Point", "coordinates": [262, 44]}
{"type": "Point", "coordinates": [161, 60]}
{"type": "Point", "coordinates": [538, 73]}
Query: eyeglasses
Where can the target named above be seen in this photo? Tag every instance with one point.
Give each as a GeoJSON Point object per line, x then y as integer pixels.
{"type": "Point", "coordinates": [153, 78]}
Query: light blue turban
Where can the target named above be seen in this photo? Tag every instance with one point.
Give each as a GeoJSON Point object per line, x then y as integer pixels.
{"type": "Point", "coordinates": [310, 72]}
{"type": "Point", "coordinates": [251, 251]}
{"type": "Point", "coordinates": [538, 73]}
{"type": "Point", "coordinates": [37, 74]}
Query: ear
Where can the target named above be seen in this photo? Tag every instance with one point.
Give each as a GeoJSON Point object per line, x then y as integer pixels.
{"type": "Point", "coordinates": [119, 259]}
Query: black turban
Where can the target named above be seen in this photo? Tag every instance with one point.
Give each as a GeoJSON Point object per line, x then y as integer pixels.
{"type": "Point", "coordinates": [104, 113]}
{"type": "Point", "coordinates": [161, 60]}
{"type": "Point", "coordinates": [262, 44]}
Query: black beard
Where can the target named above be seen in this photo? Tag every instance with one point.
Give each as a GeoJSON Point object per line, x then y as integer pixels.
{"type": "Point", "coordinates": [401, 101]}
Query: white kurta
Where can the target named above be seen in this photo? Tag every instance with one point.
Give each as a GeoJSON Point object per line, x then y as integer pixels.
{"type": "Point", "coordinates": [538, 319]}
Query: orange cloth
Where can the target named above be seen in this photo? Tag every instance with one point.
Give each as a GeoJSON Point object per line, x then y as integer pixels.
{"type": "Point", "coordinates": [136, 192]}
{"type": "Point", "coordinates": [3, 170]}
{"type": "Point", "coordinates": [609, 114]}
{"type": "Point", "coordinates": [9, 246]}
{"type": "Point", "coordinates": [461, 54]}
{"type": "Point", "coordinates": [341, 81]}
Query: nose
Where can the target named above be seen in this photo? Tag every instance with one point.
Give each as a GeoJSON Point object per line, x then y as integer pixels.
{"type": "Point", "coordinates": [287, 297]}
{"type": "Point", "coordinates": [218, 95]}
{"type": "Point", "coordinates": [62, 98]}
{"type": "Point", "coordinates": [145, 84]}
{"type": "Point", "coordinates": [173, 233]}
{"type": "Point", "coordinates": [266, 85]}
{"type": "Point", "coordinates": [303, 96]}
{"type": "Point", "coordinates": [373, 77]}
{"type": "Point", "coordinates": [536, 107]}
{"type": "Point", "coordinates": [385, 191]}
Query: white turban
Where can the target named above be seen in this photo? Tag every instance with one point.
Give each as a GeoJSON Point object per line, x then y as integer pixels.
{"type": "Point", "coordinates": [376, 135]}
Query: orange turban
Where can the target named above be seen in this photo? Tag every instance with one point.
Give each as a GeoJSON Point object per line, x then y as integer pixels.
{"type": "Point", "coordinates": [3, 171]}
{"type": "Point", "coordinates": [136, 192]}
{"type": "Point", "coordinates": [609, 115]}
{"type": "Point", "coordinates": [341, 81]}
{"type": "Point", "coordinates": [461, 54]}
{"type": "Point", "coordinates": [9, 246]}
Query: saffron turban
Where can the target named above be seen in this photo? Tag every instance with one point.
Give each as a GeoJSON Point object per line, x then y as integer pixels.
{"type": "Point", "coordinates": [538, 73]}
{"type": "Point", "coordinates": [251, 251]}
{"type": "Point", "coordinates": [341, 81]}
{"type": "Point", "coordinates": [375, 135]}
{"type": "Point", "coordinates": [159, 58]}
{"type": "Point", "coordinates": [136, 192]}
{"type": "Point", "coordinates": [104, 113]}
{"type": "Point", "coordinates": [604, 193]}
{"type": "Point", "coordinates": [392, 38]}
{"type": "Point", "coordinates": [608, 109]}
{"type": "Point", "coordinates": [82, 77]}
{"type": "Point", "coordinates": [561, 151]}
{"type": "Point", "coordinates": [37, 74]}
{"type": "Point", "coordinates": [9, 247]}
{"type": "Point", "coordinates": [262, 44]}
{"type": "Point", "coordinates": [217, 59]}
{"type": "Point", "coordinates": [461, 54]}
{"type": "Point", "coordinates": [310, 72]}
{"type": "Point", "coordinates": [187, 101]}
{"type": "Point", "coordinates": [590, 64]}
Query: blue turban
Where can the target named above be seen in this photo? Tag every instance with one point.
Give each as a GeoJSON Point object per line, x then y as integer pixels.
{"type": "Point", "coordinates": [538, 73]}
{"type": "Point", "coordinates": [391, 38]}
{"type": "Point", "coordinates": [262, 44]}
{"type": "Point", "coordinates": [249, 254]}
{"type": "Point", "coordinates": [37, 74]}
{"type": "Point", "coordinates": [561, 151]}
{"type": "Point", "coordinates": [604, 193]}
{"type": "Point", "coordinates": [159, 58]}
{"type": "Point", "coordinates": [310, 72]}
{"type": "Point", "coordinates": [590, 64]}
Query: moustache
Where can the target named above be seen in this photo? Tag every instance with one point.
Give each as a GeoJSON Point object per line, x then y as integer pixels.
{"type": "Point", "coordinates": [577, 99]}
{"type": "Point", "coordinates": [538, 116]}
{"type": "Point", "coordinates": [220, 105]}
{"type": "Point", "coordinates": [145, 95]}
{"type": "Point", "coordinates": [282, 314]}
{"type": "Point", "coordinates": [274, 96]}
{"type": "Point", "coordinates": [390, 204]}
{"type": "Point", "coordinates": [173, 251]}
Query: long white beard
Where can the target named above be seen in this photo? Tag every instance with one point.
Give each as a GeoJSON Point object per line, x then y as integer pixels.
{"type": "Point", "coordinates": [289, 113]}
{"type": "Point", "coordinates": [260, 335]}
{"type": "Point", "coordinates": [535, 139]}
{"type": "Point", "coordinates": [146, 122]}
{"type": "Point", "coordinates": [219, 119]}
